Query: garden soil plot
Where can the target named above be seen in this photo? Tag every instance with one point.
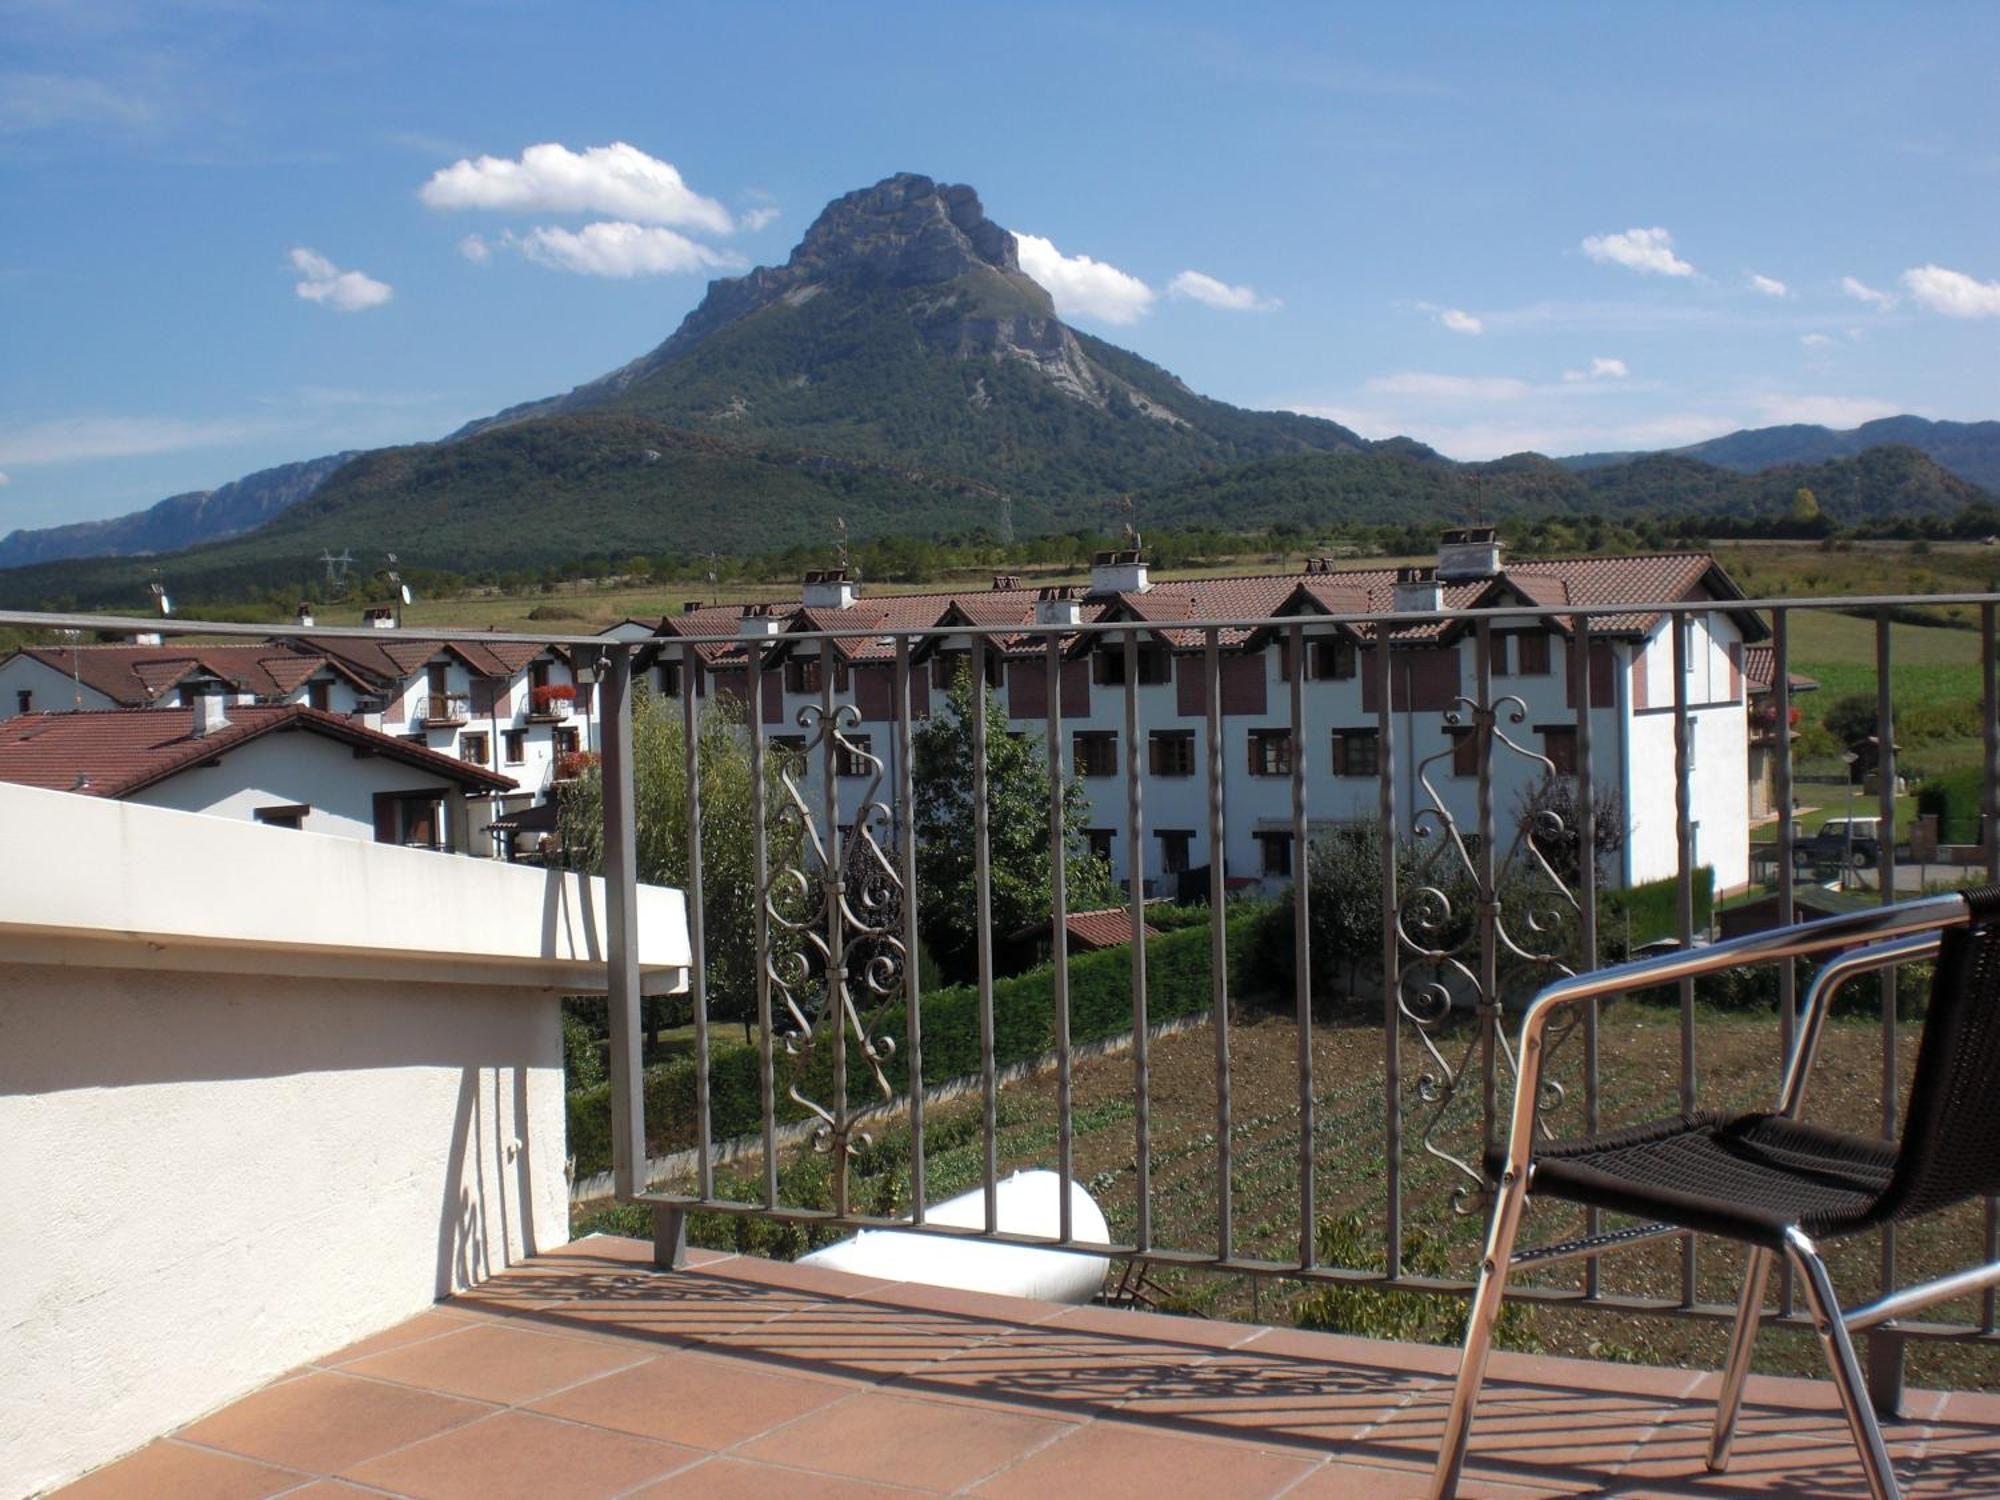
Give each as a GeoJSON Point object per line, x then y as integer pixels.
{"type": "Point", "coordinates": [1640, 1060]}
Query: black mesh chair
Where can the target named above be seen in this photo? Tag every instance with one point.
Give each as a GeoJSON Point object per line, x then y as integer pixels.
{"type": "Point", "coordinates": [1771, 1181]}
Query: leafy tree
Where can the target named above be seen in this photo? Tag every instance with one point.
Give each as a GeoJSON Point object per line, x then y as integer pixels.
{"type": "Point", "coordinates": [1851, 719]}
{"type": "Point", "coordinates": [729, 887]}
{"type": "Point", "coordinates": [1805, 504]}
{"type": "Point", "coordinates": [1017, 784]}
{"type": "Point", "coordinates": [1549, 811]}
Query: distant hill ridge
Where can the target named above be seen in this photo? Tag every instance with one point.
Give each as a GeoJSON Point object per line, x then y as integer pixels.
{"type": "Point", "coordinates": [1970, 450]}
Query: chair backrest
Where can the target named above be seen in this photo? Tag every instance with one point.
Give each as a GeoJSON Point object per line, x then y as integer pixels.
{"type": "Point", "coordinates": [1951, 1132]}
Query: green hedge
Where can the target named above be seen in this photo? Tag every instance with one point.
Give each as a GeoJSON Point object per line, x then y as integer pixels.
{"type": "Point", "coordinates": [1652, 910]}
{"type": "Point", "coordinates": [1957, 797]}
{"type": "Point", "coordinates": [1100, 1006]}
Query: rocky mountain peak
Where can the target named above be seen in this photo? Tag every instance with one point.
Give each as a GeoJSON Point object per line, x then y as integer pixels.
{"type": "Point", "coordinates": [906, 230]}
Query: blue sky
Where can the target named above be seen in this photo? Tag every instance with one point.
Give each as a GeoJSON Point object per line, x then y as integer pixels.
{"type": "Point", "coordinates": [1490, 227]}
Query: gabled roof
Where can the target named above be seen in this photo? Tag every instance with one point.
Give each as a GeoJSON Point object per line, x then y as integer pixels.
{"type": "Point", "coordinates": [1760, 672]}
{"type": "Point", "coordinates": [390, 662]}
{"type": "Point", "coordinates": [122, 751]}
{"type": "Point", "coordinates": [134, 676]}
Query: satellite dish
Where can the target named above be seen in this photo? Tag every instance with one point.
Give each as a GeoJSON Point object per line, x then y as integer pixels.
{"type": "Point", "coordinates": [404, 590]}
{"type": "Point", "coordinates": [160, 599]}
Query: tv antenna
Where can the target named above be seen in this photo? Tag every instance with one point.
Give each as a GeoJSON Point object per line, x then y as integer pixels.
{"type": "Point", "coordinates": [1475, 505]}
{"type": "Point", "coordinates": [840, 542]}
{"type": "Point", "coordinates": [1129, 510]}
{"type": "Point", "coordinates": [1007, 520]}
{"type": "Point", "coordinates": [336, 569]}
{"type": "Point", "coordinates": [400, 589]}
{"type": "Point", "coordinates": [714, 571]}
{"type": "Point", "coordinates": [160, 600]}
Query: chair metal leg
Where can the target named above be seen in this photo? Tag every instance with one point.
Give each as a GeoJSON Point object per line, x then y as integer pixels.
{"type": "Point", "coordinates": [1479, 1326]}
{"type": "Point", "coordinates": [1736, 1369]}
{"type": "Point", "coordinates": [1847, 1376]}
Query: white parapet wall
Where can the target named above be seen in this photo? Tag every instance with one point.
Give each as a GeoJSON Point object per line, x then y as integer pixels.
{"type": "Point", "coordinates": [262, 1093]}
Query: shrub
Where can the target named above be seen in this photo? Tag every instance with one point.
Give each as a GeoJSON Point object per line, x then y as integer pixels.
{"type": "Point", "coordinates": [1650, 910]}
{"type": "Point", "coordinates": [1957, 798]}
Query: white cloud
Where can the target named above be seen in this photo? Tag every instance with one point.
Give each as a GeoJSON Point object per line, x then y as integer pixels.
{"type": "Point", "coordinates": [1197, 286]}
{"type": "Point", "coordinates": [1483, 438]}
{"type": "Point", "coordinates": [1424, 386]}
{"type": "Point", "coordinates": [1816, 340]}
{"type": "Point", "coordinates": [1600, 369]}
{"type": "Point", "coordinates": [757, 218]}
{"type": "Point", "coordinates": [617, 249]}
{"type": "Point", "coordinates": [1953, 293]}
{"type": "Point", "coordinates": [4, 481]}
{"type": "Point", "coordinates": [46, 101]}
{"type": "Point", "coordinates": [1082, 287]}
{"type": "Point", "coordinates": [1454, 318]}
{"type": "Point", "coordinates": [1822, 411]}
{"type": "Point", "coordinates": [1770, 286]}
{"type": "Point", "coordinates": [64, 440]}
{"type": "Point", "coordinates": [1647, 250]}
{"type": "Point", "coordinates": [321, 281]}
{"type": "Point", "coordinates": [1861, 291]}
{"type": "Point", "coordinates": [550, 178]}
{"type": "Point", "coordinates": [475, 249]}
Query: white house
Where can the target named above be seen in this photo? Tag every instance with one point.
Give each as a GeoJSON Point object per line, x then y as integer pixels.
{"type": "Point", "coordinates": [286, 766]}
{"type": "Point", "coordinates": [1435, 667]}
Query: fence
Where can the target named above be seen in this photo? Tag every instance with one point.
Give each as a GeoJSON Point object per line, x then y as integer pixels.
{"type": "Point", "coordinates": [1508, 903]}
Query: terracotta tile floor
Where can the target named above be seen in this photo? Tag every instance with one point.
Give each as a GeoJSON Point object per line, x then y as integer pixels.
{"type": "Point", "coordinates": [589, 1373]}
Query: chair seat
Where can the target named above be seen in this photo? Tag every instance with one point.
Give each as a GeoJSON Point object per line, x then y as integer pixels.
{"type": "Point", "coordinates": [1745, 1177]}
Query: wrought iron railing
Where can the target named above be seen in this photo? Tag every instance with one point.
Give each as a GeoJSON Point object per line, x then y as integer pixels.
{"type": "Point", "coordinates": [1501, 910]}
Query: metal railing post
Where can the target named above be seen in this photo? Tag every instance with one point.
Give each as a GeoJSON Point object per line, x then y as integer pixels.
{"type": "Point", "coordinates": [621, 928]}
{"type": "Point", "coordinates": [1885, 1345]}
{"type": "Point", "coordinates": [1682, 625]}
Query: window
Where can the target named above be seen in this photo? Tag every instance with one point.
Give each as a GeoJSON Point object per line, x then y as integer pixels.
{"type": "Point", "coordinates": [1500, 655]}
{"type": "Point", "coordinates": [416, 819]}
{"type": "Point", "coordinates": [514, 746]}
{"type": "Point", "coordinates": [475, 748]}
{"type": "Point", "coordinates": [1096, 753]}
{"type": "Point", "coordinates": [850, 756]}
{"type": "Point", "coordinates": [669, 676]}
{"type": "Point", "coordinates": [1100, 842]}
{"type": "Point", "coordinates": [24, 700]}
{"type": "Point", "coordinates": [1465, 753]}
{"type": "Point", "coordinates": [802, 674]}
{"type": "Point", "coordinates": [1107, 664]}
{"type": "Point", "coordinates": [1687, 644]}
{"type": "Point", "coordinates": [285, 815]}
{"type": "Point", "coordinates": [538, 675]}
{"type": "Point", "coordinates": [319, 694]}
{"type": "Point", "coordinates": [1357, 752]}
{"type": "Point", "coordinates": [1329, 660]}
{"type": "Point", "coordinates": [1559, 745]}
{"type": "Point", "coordinates": [437, 683]}
{"type": "Point", "coordinates": [1170, 752]}
{"type": "Point", "coordinates": [1270, 752]}
{"type": "Point", "coordinates": [1174, 846]}
{"type": "Point", "coordinates": [1693, 739]}
{"type": "Point", "coordinates": [566, 741]}
{"type": "Point", "coordinates": [1275, 850]}
{"type": "Point", "coordinates": [1533, 654]}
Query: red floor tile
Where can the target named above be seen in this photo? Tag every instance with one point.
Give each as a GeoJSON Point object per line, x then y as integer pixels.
{"type": "Point", "coordinates": [519, 1456]}
{"type": "Point", "coordinates": [695, 1399]}
{"type": "Point", "coordinates": [168, 1470]}
{"type": "Point", "coordinates": [324, 1421]}
{"type": "Point", "coordinates": [925, 1444]}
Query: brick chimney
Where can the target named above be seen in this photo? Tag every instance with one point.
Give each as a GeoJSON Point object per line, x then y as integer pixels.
{"type": "Point", "coordinates": [1468, 553]}
{"type": "Point", "coordinates": [1122, 571]}
{"type": "Point", "coordinates": [1418, 591]}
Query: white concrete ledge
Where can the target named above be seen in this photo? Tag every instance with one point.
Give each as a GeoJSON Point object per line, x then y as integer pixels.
{"type": "Point", "coordinates": [115, 884]}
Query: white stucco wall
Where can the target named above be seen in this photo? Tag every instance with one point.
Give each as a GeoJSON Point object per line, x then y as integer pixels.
{"type": "Point", "coordinates": [261, 1094]}
{"type": "Point", "coordinates": [55, 692]}
{"type": "Point", "coordinates": [297, 767]}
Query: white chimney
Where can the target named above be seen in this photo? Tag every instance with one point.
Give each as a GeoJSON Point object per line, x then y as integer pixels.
{"type": "Point", "coordinates": [1120, 572]}
{"type": "Point", "coordinates": [306, 614]}
{"type": "Point", "coordinates": [830, 588]}
{"type": "Point", "coordinates": [1058, 607]}
{"type": "Point", "coordinates": [1418, 591]}
{"type": "Point", "coordinates": [209, 713]}
{"type": "Point", "coordinates": [1468, 552]}
{"type": "Point", "coordinates": [146, 638]}
{"type": "Point", "coordinates": [759, 622]}
{"type": "Point", "coordinates": [382, 617]}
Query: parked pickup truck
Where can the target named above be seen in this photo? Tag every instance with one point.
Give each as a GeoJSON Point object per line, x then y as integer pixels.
{"type": "Point", "coordinates": [1856, 842]}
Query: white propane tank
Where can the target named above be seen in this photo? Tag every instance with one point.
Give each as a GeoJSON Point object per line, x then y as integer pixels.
{"type": "Point", "coordinates": [1026, 1203]}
